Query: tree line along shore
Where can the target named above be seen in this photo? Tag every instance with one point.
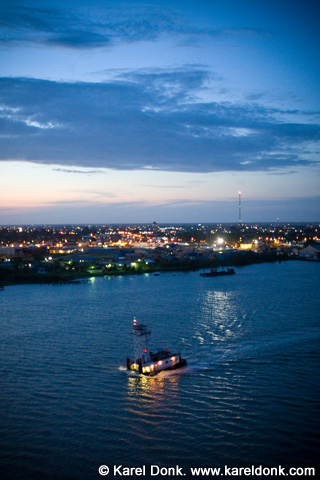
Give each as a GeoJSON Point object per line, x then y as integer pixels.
{"type": "Point", "coordinates": [78, 272]}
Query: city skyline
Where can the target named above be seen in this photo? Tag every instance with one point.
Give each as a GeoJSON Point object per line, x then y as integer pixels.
{"type": "Point", "coordinates": [138, 111]}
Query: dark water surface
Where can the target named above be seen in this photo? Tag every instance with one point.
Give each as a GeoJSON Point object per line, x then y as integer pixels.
{"type": "Point", "coordinates": [249, 396]}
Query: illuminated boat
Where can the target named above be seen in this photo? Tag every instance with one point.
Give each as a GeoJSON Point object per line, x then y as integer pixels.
{"type": "Point", "coordinates": [150, 363]}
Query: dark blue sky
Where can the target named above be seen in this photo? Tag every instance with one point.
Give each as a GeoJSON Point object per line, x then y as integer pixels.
{"type": "Point", "coordinates": [141, 111]}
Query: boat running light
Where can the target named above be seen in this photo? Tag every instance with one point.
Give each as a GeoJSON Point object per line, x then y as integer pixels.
{"type": "Point", "coordinates": [160, 362]}
{"type": "Point", "coordinates": [173, 359]}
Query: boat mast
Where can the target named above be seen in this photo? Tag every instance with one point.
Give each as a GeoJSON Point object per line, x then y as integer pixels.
{"type": "Point", "coordinates": [141, 337]}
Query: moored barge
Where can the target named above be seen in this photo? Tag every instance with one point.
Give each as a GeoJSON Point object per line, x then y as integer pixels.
{"type": "Point", "coordinates": [218, 273]}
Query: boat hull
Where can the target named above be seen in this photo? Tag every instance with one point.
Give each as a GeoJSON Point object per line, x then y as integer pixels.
{"type": "Point", "coordinates": [221, 273]}
{"type": "Point", "coordinates": [182, 363]}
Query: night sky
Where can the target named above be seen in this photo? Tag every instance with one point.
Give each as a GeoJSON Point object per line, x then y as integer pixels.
{"type": "Point", "coordinates": [135, 111]}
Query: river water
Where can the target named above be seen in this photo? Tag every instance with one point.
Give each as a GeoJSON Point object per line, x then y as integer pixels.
{"type": "Point", "coordinates": [249, 395]}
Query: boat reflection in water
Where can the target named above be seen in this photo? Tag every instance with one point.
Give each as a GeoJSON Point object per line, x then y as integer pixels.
{"type": "Point", "coordinates": [151, 363]}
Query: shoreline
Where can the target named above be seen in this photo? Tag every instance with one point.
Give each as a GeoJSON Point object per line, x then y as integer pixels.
{"type": "Point", "coordinates": [63, 278]}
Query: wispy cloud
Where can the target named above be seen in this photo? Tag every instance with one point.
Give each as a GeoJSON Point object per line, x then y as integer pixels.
{"type": "Point", "coordinates": [104, 25]}
{"type": "Point", "coordinates": [84, 172]}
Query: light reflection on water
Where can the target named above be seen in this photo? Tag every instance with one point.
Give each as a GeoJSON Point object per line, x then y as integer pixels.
{"type": "Point", "coordinates": [249, 395]}
{"type": "Point", "coordinates": [160, 391]}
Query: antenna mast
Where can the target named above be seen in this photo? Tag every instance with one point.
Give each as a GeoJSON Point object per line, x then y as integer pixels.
{"type": "Point", "coordinates": [239, 206]}
{"type": "Point", "coordinates": [141, 337]}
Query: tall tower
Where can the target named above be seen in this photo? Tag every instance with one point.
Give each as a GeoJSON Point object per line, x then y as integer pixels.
{"type": "Point", "coordinates": [239, 206]}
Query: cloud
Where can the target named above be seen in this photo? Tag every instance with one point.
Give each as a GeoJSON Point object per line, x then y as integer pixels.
{"type": "Point", "coordinates": [48, 26]}
{"type": "Point", "coordinates": [79, 26]}
{"type": "Point", "coordinates": [147, 119]}
{"type": "Point", "coordinates": [68, 170]}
